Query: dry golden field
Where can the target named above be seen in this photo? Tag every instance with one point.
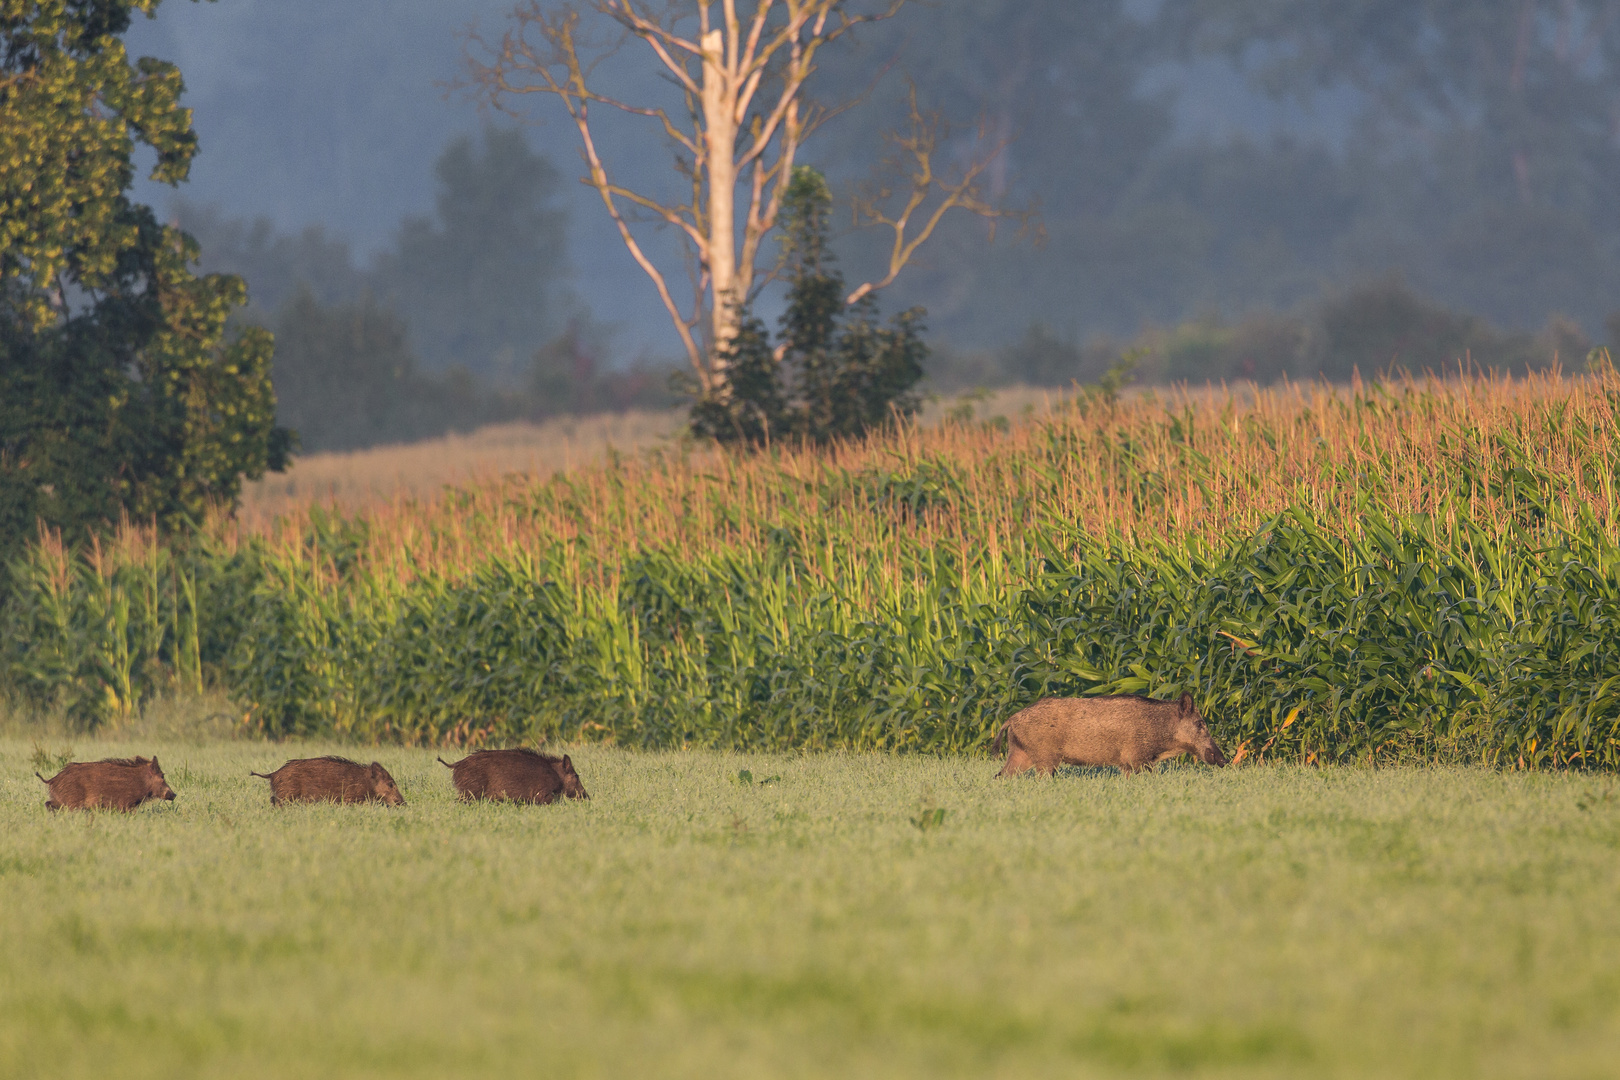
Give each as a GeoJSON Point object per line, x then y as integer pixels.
{"type": "Point", "coordinates": [355, 480]}
{"type": "Point", "coordinates": [1206, 463]}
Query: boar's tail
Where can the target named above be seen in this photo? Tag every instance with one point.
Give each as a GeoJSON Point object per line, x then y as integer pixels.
{"type": "Point", "coordinates": [265, 775]}
{"type": "Point", "coordinates": [995, 744]}
{"type": "Point", "coordinates": [443, 762]}
{"type": "Point", "coordinates": [43, 780]}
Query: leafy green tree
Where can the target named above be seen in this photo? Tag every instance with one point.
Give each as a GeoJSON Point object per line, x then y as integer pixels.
{"type": "Point", "coordinates": [835, 372]}
{"type": "Point", "coordinates": [120, 390]}
{"type": "Point", "coordinates": [751, 407]}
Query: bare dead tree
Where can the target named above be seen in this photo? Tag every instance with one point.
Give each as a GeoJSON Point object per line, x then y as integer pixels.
{"type": "Point", "coordinates": [743, 72]}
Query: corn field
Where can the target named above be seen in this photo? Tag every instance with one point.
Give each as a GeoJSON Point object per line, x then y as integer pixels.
{"type": "Point", "coordinates": [1407, 568]}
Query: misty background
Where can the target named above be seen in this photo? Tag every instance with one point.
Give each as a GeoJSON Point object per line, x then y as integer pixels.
{"type": "Point", "coordinates": [1244, 188]}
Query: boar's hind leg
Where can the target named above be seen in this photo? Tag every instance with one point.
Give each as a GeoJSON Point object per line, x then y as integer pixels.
{"type": "Point", "coordinates": [1017, 762]}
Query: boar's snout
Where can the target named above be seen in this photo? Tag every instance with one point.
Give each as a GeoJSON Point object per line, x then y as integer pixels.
{"type": "Point", "coordinates": [1211, 754]}
{"type": "Point", "coordinates": [383, 786]}
{"type": "Point", "coordinates": [159, 783]}
{"type": "Point", "coordinates": [572, 787]}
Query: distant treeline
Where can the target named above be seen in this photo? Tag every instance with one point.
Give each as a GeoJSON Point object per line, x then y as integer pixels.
{"type": "Point", "coordinates": [346, 378]}
{"type": "Point", "coordinates": [1376, 328]}
{"type": "Point", "coordinates": [468, 317]}
{"type": "Point", "coordinates": [466, 320]}
{"type": "Point", "coordinates": [1235, 155]}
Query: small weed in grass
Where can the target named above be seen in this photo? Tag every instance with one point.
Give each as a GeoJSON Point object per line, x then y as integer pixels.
{"type": "Point", "coordinates": [930, 817]}
{"type": "Point", "coordinates": [1596, 800]}
{"type": "Point", "coordinates": [49, 762]}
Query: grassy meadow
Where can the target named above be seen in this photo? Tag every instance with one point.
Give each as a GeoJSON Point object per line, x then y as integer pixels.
{"type": "Point", "coordinates": [1257, 921]}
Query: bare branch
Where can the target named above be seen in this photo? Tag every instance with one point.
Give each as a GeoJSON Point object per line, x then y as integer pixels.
{"type": "Point", "coordinates": [599, 180]}
{"type": "Point", "coordinates": [562, 73]}
{"type": "Point", "coordinates": [914, 157]}
{"type": "Point", "coordinates": [660, 40]}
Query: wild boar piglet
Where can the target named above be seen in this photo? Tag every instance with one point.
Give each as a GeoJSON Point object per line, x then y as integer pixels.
{"type": "Point", "coordinates": [115, 783]}
{"type": "Point", "coordinates": [519, 775]}
{"type": "Point", "coordinates": [331, 779]}
{"type": "Point", "coordinates": [1127, 731]}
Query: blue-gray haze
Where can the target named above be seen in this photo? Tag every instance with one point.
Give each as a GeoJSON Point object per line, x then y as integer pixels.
{"type": "Point", "coordinates": [1170, 185]}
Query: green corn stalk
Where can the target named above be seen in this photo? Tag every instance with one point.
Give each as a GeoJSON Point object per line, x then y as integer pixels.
{"type": "Point", "coordinates": [915, 603]}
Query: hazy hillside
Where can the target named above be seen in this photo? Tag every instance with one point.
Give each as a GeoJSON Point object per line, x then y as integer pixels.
{"type": "Point", "coordinates": [1181, 165]}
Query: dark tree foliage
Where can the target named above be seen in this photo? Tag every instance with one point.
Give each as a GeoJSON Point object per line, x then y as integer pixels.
{"type": "Point", "coordinates": [481, 284]}
{"type": "Point", "coordinates": [1469, 146]}
{"type": "Point", "coordinates": [121, 392]}
{"type": "Point", "coordinates": [346, 378]}
{"type": "Point", "coordinates": [275, 264]}
{"type": "Point", "coordinates": [834, 372]}
{"type": "Point", "coordinates": [567, 377]}
{"type": "Point", "coordinates": [752, 408]}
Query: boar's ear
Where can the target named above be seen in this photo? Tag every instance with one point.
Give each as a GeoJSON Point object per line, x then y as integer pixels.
{"type": "Point", "coordinates": [567, 764]}
{"type": "Point", "coordinates": [1186, 704]}
{"type": "Point", "coordinates": [153, 765]}
{"type": "Point", "coordinates": [376, 768]}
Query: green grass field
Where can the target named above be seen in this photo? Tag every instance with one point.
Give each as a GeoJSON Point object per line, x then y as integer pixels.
{"type": "Point", "coordinates": [1272, 921]}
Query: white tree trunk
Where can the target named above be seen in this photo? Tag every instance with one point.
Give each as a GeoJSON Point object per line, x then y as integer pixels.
{"type": "Point", "coordinates": [720, 140]}
{"type": "Point", "coordinates": [754, 67]}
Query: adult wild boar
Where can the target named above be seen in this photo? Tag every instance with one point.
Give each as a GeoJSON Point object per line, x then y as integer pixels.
{"type": "Point", "coordinates": [116, 783]}
{"type": "Point", "coordinates": [521, 775]}
{"type": "Point", "coordinates": [1128, 731]}
{"type": "Point", "coordinates": [331, 779]}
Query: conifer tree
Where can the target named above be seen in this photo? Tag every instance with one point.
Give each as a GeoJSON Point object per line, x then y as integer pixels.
{"type": "Point", "coordinates": [835, 372]}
